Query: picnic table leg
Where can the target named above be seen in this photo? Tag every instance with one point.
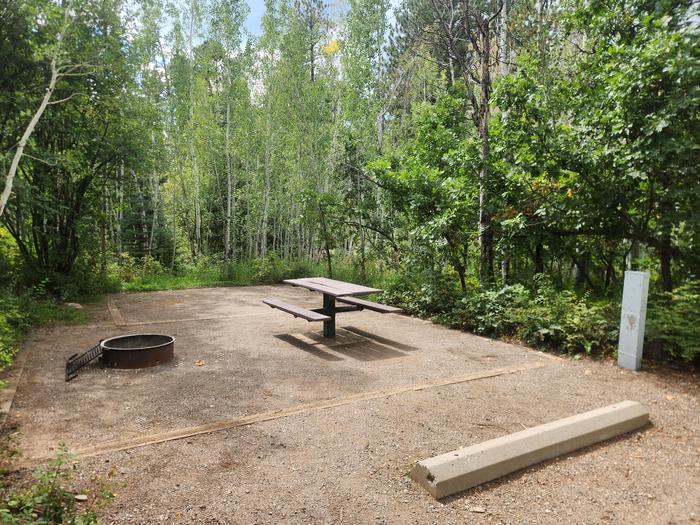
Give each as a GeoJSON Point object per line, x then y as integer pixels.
{"type": "Point", "coordinates": [329, 310]}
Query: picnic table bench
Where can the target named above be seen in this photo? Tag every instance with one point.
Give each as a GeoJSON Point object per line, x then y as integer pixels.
{"type": "Point", "coordinates": [296, 311]}
{"type": "Point", "coordinates": [332, 291]}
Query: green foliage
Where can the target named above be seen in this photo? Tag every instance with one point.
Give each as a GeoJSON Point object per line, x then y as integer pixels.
{"type": "Point", "coordinates": [489, 311]}
{"type": "Point", "coordinates": [13, 322]}
{"type": "Point", "coordinates": [432, 187]}
{"type": "Point", "coordinates": [211, 271]}
{"type": "Point", "coordinates": [269, 269]}
{"type": "Point", "coordinates": [425, 294]}
{"type": "Point", "coordinates": [10, 262]}
{"type": "Point", "coordinates": [19, 313]}
{"type": "Point", "coordinates": [55, 203]}
{"type": "Point", "coordinates": [636, 98]}
{"type": "Point", "coordinates": [49, 501]}
{"type": "Point", "coordinates": [174, 156]}
{"type": "Point", "coordinates": [673, 322]}
{"type": "Point", "coordinates": [129, 268]}
{"type": "Point", "coordinates": [543, 317]}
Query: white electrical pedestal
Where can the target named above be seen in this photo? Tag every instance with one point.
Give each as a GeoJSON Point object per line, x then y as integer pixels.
{"type": "Point", "coordinates": [632, 320]}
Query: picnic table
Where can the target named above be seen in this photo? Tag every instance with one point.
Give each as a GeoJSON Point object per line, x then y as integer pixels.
{"type": "Point", "coordinates": [332, 290]}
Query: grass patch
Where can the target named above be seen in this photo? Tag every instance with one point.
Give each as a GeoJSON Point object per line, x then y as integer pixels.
{"type": "Point", "coordinates": [175, 282]}
{"type": "Point", "coordinates": [268, 270]}
{"type": "Point", "coordinates": [49, 312]}
{"type": "Point", "coordinates": [19, 313]}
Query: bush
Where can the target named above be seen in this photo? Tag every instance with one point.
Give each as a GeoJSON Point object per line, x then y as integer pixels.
{"type": "Point", "coordinates": [272, 269]}
{"type": "Point", "coordinates": [544, 317]}
{"type": "Point", "coordinates": [18, 313]}
{"type": "Point", "coordinates": [673, 322]}
{"type": "Point", "coordinates": [13, 322]}
{"type": "Point", "coordinates": [125, 270]}
{"type": "Point", "coordinates": [427, 294]}
{"type": "Point", "coordinates": [269, 269]}
{"type": "Point", "coordinates": [48, 501]}
{"type": "Point", "coordinates": [10, 260]}
{"type": "Point", "coordinates": [561, 319]}
{"type": "Point", "coordinates": [489, 311]}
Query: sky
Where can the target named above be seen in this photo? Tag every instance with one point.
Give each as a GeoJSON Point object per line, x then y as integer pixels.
{"type": "Point", "coordinates": [257, 8]}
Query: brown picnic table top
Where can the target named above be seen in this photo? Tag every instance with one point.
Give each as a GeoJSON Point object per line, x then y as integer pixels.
{"type": "Point", "coordinates": [331, 286]}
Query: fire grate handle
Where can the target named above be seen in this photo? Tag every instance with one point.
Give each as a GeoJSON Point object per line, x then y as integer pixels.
{"type": "Point", "coordinates": [78, 361]}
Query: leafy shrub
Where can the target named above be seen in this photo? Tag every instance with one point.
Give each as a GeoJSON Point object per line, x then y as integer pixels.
{"type": "Point", "coordinates": [562, 319]}
{"type": "Point", "coordinates": [268, 269]}
{"type": "Point", "coordinates": [543, 317]}
{"type": "Point", "coordinates": [10, 260]}
{"type": "Point", "coordinates": [18, 313]}
{"type": "Point", "coordinates": [150, 265]}
{"type": "Point", "coordinates": [13, 321]}
{"type": "Point", "coordinates": [125, 269]}
{"type": "Point", "coordinates": [273, 269]}
{"type": "Point", "coordinates": [129, 269]}
{"type": "Point", "coordinates": [673, 322]}
{"type": "Point", "coordinates": [203, 264]}
{"type": "Point", "coordinates": [426, 294]}
{"type": "Point", "coordinates": [48, 501]}
{"type": "Point", "coordinates": [298, 269]}
{"type": "Point", "coordinates": [490, 311]}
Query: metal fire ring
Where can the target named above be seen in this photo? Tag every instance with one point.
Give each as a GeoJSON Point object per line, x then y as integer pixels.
{"type": "Point", "coordinates": [137, 350]}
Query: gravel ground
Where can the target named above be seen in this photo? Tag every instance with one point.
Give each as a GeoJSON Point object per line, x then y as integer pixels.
{"type": "Point", "coordinates": [346, 464]}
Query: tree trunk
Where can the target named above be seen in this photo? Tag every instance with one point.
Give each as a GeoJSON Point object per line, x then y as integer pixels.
{"type": "Point", "coordinates": [326, 242]}
{"type": "Point", "coordinates": [503, 39]}
{"type": "Point", "coordinates": [229, 186]}
{"type": "Point", "coordinates": [266, 190]}
{"type": "Point", "coordinates": [539, 258]}
{"type": "Point", "coordinates": [633, 255]}
{"type": "Point", "coordinates": [665, 255]}
{"type": "Point", "coordinates": [462, 273]}
{"type": "Point", "coordinates": [505, 270]}
{"type": "Point", "coordinates": [154, 203]}
{"type": "Point", "coordinates": [120, 212]}
{"type": "Point", "coordinates": [313, 64]}
{"type": "Point", "coordinates": [485, 230]}
{"type": "Point", "coordinates": [610, 271]}
{"type": "Point", "coordinates": [172, 263]}
{"type": "Point", "coordinates": [144, 226]}
{"type": "Point", "coordinates": [580, 269]}
{"type": "Point", "coordinates": [193, 157]}
{"type": "Point", "coordinates": [103, 231]}
{"type": "Point", "coordinates": [380, 131]}
{"type": "Point", "coordinates": [9, 178]}
{"type": "Point", "coordinates": [186, 208]}
{"type": "Point", "coordinates": [197, 208]}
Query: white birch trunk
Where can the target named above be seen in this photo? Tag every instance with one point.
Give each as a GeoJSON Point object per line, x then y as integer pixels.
{"type": "Point", "coordinates": [156, 190]}
{"type": "Point", "coordinates": [229, 251]}
{"type": "Point", "coordinates": [193, 156]}
{"type": "Point", "coordinates": [266, 189]}
{"type": "Point", "coordinates": [503, 39]}
{"type": "Point", "coordinates": [9, 178]}
{"type": "Point", "coordinates": [120, 211]}
{"type": "Point", "coordinates": [45, 101]}
{"type": "Point", "coordinates": [197, 207]}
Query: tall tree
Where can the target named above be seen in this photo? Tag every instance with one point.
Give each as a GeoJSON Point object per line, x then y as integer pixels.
{"type": "Point", "coordinates": [57, 70]}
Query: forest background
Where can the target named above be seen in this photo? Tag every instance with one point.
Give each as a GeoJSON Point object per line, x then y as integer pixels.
{"type": "Point", "coordinates": [494, 165]}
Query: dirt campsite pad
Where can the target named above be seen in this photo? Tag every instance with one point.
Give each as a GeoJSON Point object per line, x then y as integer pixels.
{"type": "Point", "coordinates": [260, 420]}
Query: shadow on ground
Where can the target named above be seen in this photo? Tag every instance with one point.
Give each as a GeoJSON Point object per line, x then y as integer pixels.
{"type": "Point", "coordinates": [351, 342]}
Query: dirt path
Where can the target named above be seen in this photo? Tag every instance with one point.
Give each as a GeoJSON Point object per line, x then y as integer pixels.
{"type": "Point", "coordinates": [345, 463]}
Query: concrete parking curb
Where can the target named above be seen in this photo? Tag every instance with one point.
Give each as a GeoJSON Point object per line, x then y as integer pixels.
{"type": "Point", "coordinates": [468, 467]}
